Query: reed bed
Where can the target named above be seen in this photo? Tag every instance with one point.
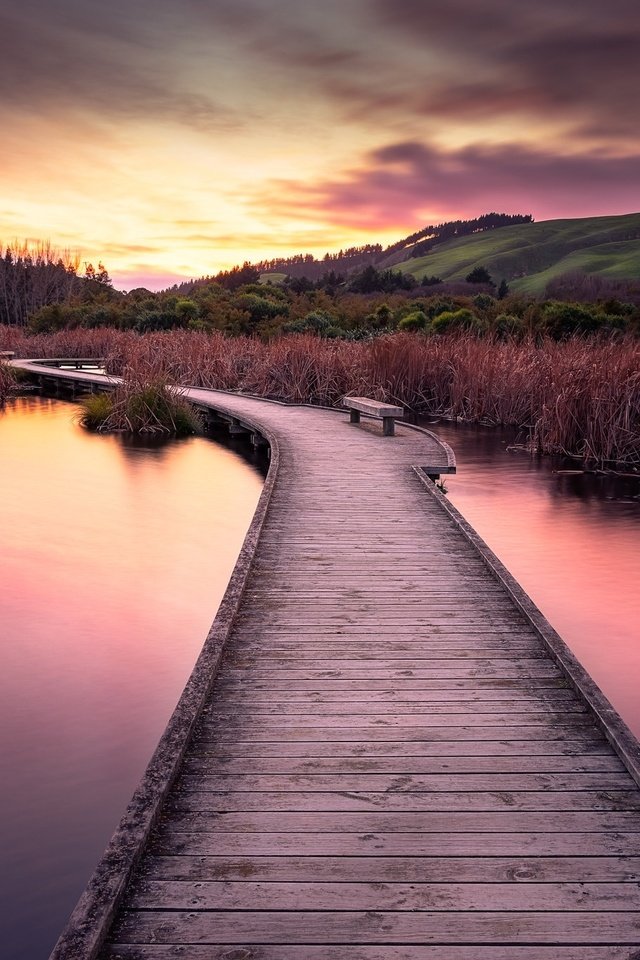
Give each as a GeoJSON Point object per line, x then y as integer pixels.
{"type": "Point", "coordinates": [577, 397]}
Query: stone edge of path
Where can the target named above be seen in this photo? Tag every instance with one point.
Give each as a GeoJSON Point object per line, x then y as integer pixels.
{"type": "Point", "coordinates": [89, 923]}
{"type": "Point", "coordinates": [623, 741]}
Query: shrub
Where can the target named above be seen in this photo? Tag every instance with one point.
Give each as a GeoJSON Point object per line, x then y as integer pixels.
{"type": "Point", "coordinates": [563, 320]}
{"type": "Point", "coordinates": [417, 320]}
{"type": "Point", "coordinates": [506, 325]}
{"type": "Point", "coordinates": [456, 321]}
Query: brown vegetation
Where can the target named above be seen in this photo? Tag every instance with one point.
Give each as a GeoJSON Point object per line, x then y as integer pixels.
{"type": "Point", "coordinates": [578, 397]}
{"type": "Point", "coordinates": [144, 402]}
{"type": "Point", "coordinates": [7, 381]}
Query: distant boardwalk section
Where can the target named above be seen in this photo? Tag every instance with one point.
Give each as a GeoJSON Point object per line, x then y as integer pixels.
{"type": "Point", "coordinates": [384, 752]}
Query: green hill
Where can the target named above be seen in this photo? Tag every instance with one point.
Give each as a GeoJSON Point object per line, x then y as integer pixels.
{"type": "Point", "coordinates": [529, 255]}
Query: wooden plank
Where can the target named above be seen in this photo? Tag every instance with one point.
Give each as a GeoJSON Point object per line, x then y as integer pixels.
{"type": "Point", "coordinates": [170, 842]}
{"type": "Point", "coordinates": [384, 822]}
{"type": "Point", "coordinates": [331, 684]}
{"type": "Point", "coordinates": [303, 648]}
{"type": "Point", "coordinates": [376, 783]}
{"type": "Point", "coordinates": [330, 671]}
{"type": "Point", "coordinates": [469, 731]}
{"type": "Point", "coordinates": [386, 927]}
{"type": "Point", "coordinates": [394, 869]}
{"type": "Point", "coordinates": [443, 801]}
{"type": "Point", "coordinates": [374, 734]}
{"type": "Point", "coordinates": [251, 951]}
{"type": "Point", "coordinates": [299, 895]}
{"type": "Point", "coordinates": [391, 701]}
{"type": "Point", "coordinates": [301, 712]}
{"type": "Point", "coordinates": [251, 719]}
{"type": "Point", "coordinates": [403, 765]}
{"type": "Point", "coordinates": [587, 744]}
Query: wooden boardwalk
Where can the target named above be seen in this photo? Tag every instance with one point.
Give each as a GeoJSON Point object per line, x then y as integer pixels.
{"type": "Point", "coordinates": [390, 765]}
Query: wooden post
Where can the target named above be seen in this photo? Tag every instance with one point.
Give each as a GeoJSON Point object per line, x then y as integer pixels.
{"type": "Point", "coordinates": [354, 416]}
{"type": "Point", "coordinates": [387, 426]}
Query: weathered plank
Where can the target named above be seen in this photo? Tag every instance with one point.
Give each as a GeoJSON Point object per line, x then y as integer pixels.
{"type": "Point", "coordinates": [392, 712]}
{"type": "Point", "coordinates": [373, 733]}
{"type": "Point", "coordinates": [387, 927]}
{"type": "Point", "coordinates": [575, 747]}
{"type": "Point", "coordinates": [393, 869]}
{"type": "Point", "coordinates": [502, 821]}
{"type": "Point", "coordinates": [346, 951]}
{"type": "Point", "coordinates": [300, 895]}
{"type": "Point", "coordinates": [413, 765]}
{"type": "Point", "coordinates": [412, 783]}
{"type": "Point", "coordinates": [443, 801]}
{"type": "Point", "coordinates": [171, 842]}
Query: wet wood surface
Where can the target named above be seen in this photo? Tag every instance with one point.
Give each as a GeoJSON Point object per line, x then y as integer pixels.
{"type": "Point", "coordinates": [390, 765]}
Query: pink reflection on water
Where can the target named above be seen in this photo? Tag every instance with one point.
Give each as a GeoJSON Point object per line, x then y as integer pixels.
{"type": "Point", "coordinates": [572, 546]}
{"type": "Point", "coordinates": [114, 560]}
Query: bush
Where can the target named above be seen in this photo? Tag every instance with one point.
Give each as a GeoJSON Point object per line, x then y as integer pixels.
{"type": "Point", "coordinates": [417, 320]}
{"type": "Point", "coordinates": [318, 321]}
{"type": "Point", "coordinates": [562, 320]}
{"type": "Point", "coordinates": [457, 321]}
{"type": "Point", "coordinates": [506, 325]}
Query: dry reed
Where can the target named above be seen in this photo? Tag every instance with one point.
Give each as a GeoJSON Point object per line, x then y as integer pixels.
{"type": "Point", "coordinates": [579, 397]}
{"type": "Point", "coordinates": [7, 380]}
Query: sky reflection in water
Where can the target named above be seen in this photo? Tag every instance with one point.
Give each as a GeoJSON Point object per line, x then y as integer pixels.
{"type": "Point", "coordinates": [572, 546]}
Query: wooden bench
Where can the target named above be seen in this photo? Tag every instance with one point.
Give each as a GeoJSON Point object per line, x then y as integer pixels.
{"type": "Point", "coordinates": [373, 408]}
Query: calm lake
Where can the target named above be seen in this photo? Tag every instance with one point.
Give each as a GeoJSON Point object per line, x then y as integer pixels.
{"type": "Point", "coordinates": [114, 558]}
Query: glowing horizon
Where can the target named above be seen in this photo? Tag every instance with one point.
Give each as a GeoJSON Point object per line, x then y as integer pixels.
{"type": "Point", "coordinates": [172, 143]}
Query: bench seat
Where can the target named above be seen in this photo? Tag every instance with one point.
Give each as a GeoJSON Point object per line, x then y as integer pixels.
{"type": "Point", "coordinates": [387, 412]}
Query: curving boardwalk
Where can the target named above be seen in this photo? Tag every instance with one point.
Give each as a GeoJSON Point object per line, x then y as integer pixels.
{"type": "Point", "coordinates": [391, 764]}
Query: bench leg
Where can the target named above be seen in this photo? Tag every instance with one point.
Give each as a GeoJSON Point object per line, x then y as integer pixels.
{"type": "Point", "coordinates": [354, 416]}
{"type": "Point", "coordinates": [387, 426]}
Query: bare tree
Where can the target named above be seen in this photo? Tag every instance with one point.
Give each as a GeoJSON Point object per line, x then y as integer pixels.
{"type": "Point", "coordinates": [33, 275]}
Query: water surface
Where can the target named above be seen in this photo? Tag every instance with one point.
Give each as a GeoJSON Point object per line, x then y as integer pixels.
{"type": "Point", "coordinates": [114, 558]}
{"type": "Point", "coordinates": [573, 543]}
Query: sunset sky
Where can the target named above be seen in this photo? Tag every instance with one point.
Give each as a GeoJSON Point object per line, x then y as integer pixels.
{"type": "Point", "coordinates": [173, 138]}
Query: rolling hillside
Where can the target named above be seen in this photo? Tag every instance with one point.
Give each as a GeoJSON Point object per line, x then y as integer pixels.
{"type": "Point", "coordinates": [529, 255]}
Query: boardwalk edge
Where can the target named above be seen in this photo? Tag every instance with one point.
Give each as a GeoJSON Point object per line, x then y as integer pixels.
{"type": "Point", "coordinates": [89, 923]}
{"type": "Point", "coordinates": [620, 737]}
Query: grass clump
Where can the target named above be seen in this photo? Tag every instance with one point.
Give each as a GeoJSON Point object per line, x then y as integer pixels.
{"type": "Point", "coordinates": [96, 410]}
{"type": "Point", "coordinates": [8, 380]}
{"type": "Point", "coordinates": [141, 406]}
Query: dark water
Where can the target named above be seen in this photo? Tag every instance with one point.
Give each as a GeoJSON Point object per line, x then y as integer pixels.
{"type": "Point", "coordinates": [113, 561]}
{"type": "Point", "coordinates": [573, 543]}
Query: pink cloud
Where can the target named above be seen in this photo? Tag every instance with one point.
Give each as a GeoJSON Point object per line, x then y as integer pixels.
{"type": "Point", "coordinates": [408, 182]}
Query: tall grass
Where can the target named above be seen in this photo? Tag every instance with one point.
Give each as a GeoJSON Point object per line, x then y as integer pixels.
{"type": "Point", "coordinates": [7, 380]}
{"type": "Point", "coordinates": [578, 397]}
{"type": "Point", "coordinates": [143, 403]}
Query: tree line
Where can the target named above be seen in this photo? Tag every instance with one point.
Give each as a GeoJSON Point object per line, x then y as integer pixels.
{"type": "Point", "coordinates": [33, 276]}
